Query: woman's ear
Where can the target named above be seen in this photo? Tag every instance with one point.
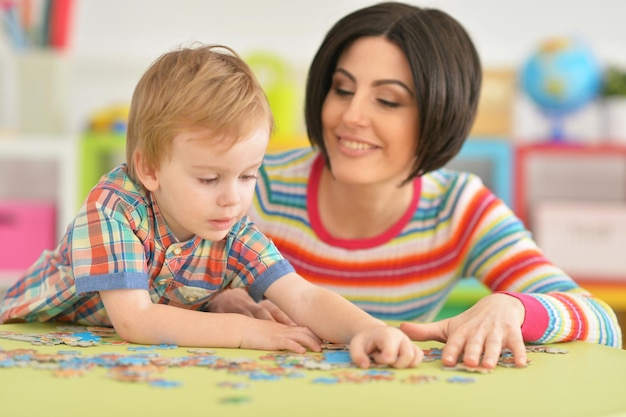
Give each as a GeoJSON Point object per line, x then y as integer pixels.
{"type": "Point", "coordinates": [146, 173]}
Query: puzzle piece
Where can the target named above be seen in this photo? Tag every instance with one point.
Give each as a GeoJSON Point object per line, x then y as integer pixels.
{"type": "Point", "coordinates": [461, 380]}
{"type": "Point", "coordinates": [545, 349]}
{"type": "Point", "coordinates": [466, 368]}
{"type": "Point", "coordinates": [420, 379]}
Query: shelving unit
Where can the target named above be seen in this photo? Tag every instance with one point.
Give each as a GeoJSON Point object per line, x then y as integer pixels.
{"type": "Point", "coordinates": [567, 172]}
{"type": "Point", "coordinates": [39, 169]}
{"type": "Point", "coordinates": [573, 198]}
{"type": "Point", "coordinates": [57, 150]}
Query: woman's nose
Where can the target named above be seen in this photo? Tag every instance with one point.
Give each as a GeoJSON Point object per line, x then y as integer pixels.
{"type": "Point", "coordinates": [356, 112]}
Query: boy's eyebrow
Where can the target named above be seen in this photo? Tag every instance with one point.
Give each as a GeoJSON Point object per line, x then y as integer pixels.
{"type": "Point", "coordinates": [255, 165]}
{"type": "Point", "coordinates": [218, 168]}
{"type": "Point", "coordinates": [377, 82]}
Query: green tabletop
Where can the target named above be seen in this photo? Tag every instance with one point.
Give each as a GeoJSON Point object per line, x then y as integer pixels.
{"type": "Point", "coordinates": [589, 380]}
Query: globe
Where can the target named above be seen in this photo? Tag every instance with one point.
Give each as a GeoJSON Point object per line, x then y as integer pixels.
{"type": "Point", "coordinates": [560, 77]}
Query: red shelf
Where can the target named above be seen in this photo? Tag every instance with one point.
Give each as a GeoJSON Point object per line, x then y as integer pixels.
{"type": "Point", "coordinates": [523, 153]}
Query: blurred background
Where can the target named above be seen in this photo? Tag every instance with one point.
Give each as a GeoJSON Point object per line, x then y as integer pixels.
{"type": "Point", "coordinates": [550, 137]}
{"type": "Point", "coordinates": [109, 44]}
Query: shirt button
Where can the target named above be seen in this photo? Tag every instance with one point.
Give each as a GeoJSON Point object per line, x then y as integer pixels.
{"type": "Point", "coordinates": [162, 281]}
{"type": "Point", "coordinates": [191, 298]}
{"type": "Point", "coordinates": [177, 251]}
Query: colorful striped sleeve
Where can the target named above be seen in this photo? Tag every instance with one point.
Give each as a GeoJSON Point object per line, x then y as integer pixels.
{"type": "Point", "coordinates": [506, 259]}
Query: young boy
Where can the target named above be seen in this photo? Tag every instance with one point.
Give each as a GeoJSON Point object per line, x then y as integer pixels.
{"type": "Point", "coordinates": [159, 236]}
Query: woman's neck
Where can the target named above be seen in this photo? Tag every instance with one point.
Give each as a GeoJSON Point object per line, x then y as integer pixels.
{"type": "Point", "coordinates": [350, 211]}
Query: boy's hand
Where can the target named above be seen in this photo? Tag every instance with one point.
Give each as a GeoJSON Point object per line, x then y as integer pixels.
{"type": "Point", "coordinates": [386, 345]}
{"type": "Point", "coordinates": [237, 300]}
{"type": "Point", "coordinates": [479, 334]}
{"type": "Point", "coordinates": [270, 335]}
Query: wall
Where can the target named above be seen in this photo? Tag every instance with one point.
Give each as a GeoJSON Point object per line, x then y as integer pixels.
{"type": "Point", "coordinates": [504, 30]}
{"type": "Point", "coordinates": [114, 40]}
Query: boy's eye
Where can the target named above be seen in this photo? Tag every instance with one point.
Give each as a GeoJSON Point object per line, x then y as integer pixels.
{"type": "Point", "coordinates": [249, 177]}
{"type": "Point", "coordinates": [208, 180]}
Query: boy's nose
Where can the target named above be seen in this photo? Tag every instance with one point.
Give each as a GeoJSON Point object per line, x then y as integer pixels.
{"type": "Point", "coordinates": [229, 194]}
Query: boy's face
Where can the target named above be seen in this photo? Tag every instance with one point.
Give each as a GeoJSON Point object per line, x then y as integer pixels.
{"type": "Point", "coordinates": [207, 183]}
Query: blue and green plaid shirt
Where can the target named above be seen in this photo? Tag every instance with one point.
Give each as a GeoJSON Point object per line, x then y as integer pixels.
{"type": "Point", "coordinates": [119, 240]}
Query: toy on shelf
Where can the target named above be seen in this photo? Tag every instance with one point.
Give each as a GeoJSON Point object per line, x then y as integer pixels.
{"type": "Point", "coordinates": [561, 77]}
{"type": "Point", "coordinates": [103, 145]}
{"type": "Point", "coordinates": [112, 119]}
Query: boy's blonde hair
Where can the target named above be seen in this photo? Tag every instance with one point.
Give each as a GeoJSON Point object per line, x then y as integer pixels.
{"type": "Point", "coordinates": [201, 87]}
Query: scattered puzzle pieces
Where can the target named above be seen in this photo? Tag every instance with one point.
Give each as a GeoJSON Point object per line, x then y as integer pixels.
{"type": "Point", "coordinates": [78, 336]}
{"type": "Point", "coordinates": [144, 365]}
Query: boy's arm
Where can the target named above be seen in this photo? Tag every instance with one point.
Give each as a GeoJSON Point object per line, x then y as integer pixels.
{"type": "Point", "coordinates": [138, 320]}
{"type": "Point", "coordinates": [237, 300]}
{"type": "Point", "coordinates": [335, 319]}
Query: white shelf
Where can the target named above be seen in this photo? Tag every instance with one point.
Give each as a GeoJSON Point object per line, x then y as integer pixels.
{"type": "Point", "coordinates": [61, 151]}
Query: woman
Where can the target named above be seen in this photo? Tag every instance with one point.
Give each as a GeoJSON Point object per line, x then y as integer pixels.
{"type": "Point", "coordinates": [370, 213]}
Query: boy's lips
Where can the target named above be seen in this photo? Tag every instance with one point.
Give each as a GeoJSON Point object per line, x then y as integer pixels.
{"type": "Point", "coordinates": [222, 224]}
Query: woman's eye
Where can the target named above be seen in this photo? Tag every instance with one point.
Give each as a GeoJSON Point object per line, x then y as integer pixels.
{"type": "Point", "coordinates": [342, 92]}
{"type": "Point", "coordinates": [388, 103]}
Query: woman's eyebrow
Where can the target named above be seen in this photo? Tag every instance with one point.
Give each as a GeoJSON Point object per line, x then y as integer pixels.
{"type": "Point", "coordinates": [346, 73]}
{"type": "Point", "coordinates": [378, 83]}
{"type": "Point", "coordinates": [394, 81]}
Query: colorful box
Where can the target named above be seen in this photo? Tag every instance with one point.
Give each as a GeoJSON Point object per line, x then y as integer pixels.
{"type": "Point", "coordinates": [26, 229]}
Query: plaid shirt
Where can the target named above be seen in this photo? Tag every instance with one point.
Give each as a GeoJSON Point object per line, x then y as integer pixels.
{"type": "Point", "coordinates": [119, 240]}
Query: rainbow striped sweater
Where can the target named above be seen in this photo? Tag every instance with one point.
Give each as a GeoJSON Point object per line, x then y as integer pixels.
{"type": "Point", "coordinates": [455, 228]}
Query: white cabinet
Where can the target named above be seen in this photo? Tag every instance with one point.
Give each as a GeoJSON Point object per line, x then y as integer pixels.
{"type": "Point", "coordinates": [37, 169]}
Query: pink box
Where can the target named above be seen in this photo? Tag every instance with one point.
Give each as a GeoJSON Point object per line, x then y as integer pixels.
{"type": "Point", "coordinates": [26, 229]}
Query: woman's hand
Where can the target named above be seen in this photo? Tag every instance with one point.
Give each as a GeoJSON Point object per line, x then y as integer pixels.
{"type": "Point", "coordinates": [492, 324]}
{"type": "Point", "coordinates": [237, 300]}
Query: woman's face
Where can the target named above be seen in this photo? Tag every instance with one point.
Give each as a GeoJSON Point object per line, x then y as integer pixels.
{"type": "Point", "coordinates": [370, 116]}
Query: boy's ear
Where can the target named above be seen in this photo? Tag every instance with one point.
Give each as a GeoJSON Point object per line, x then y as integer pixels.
{"type": "Point", "coordinates": [147, 174]}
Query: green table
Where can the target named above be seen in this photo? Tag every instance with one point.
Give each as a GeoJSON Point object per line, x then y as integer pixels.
{"type": "Point", "coordinates": [587, 381]}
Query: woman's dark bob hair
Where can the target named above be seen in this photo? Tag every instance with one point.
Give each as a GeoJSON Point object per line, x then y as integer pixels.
{"type": "Point", "coordinates": [444, 64]}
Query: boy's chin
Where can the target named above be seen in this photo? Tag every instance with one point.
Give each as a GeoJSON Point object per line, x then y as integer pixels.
{"type": "Point", "coordinates": [215, 235]}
